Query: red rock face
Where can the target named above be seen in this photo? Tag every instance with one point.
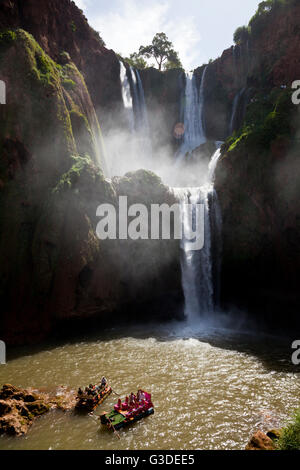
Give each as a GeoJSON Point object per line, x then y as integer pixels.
{"type": "Point", "coordinates": [59, 26]}
{"type": "Point", "coordinates": [269, 59]}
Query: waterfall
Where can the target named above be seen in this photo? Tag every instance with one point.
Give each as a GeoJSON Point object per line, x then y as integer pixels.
{"type": "Point", "coordinates": [143, 113]}
{"type": "Point", "coordinates": [139, 111]}
{"type": "Point", "coordinates": [194, 131]}
{"type": "Point", "coordinates": [201, 269]}
{"type": "Point", "coordinates": [235, 106]}
{"type": "Point", "coordinates": [126, 95]}
{"type": "Point", "coordinates": [139, 103]}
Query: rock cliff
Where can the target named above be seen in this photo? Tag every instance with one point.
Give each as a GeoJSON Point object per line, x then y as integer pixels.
{"type": "Point", "coordinates": [267, 57]}
{"type": "Point", "coordinates": [60, 26]}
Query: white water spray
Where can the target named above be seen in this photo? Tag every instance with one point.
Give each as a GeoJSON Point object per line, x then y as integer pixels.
{"type": "Point", "coordinates": [126, 95]}
{"type": "Point", "coordinates": [201, 269]}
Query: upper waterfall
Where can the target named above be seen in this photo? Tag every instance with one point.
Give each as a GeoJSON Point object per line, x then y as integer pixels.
{"type": "Point", "coordinates": [126, 96]}
{"type": "Point", "coordinates": [194, 129]}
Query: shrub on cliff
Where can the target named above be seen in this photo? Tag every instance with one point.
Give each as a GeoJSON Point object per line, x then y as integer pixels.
{"type": "Point", "coordinates": [242, 34]}
{"type": "Point", "coordinates": [264, 9]}
{"type": "Point", "coordinates": [268, 117]}
{"type": "Point", "coordinates": [290, 437]}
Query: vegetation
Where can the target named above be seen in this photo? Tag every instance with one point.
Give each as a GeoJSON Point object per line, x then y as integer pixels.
{"type": "Point", "coordinates": [162, 51]}
{"type": "Point", "coordinates": [290, 437]}
{"type": "Point", "coordinates": [80, 164]}
{"type": "Point", "coordinates": [257, 22]}
{"type": "Point", "coordinates": [267, 6]}
{"type": "Point", "coordinates": [242, 34]}
{"type": "Point", "coordinates": [136, 61]}
{"type": "Point", "coordinates": [268, 117]}
{"type": "Point", "coordinates": [7, 37]}
{"type": "Point", "coordinates": [73, 27]}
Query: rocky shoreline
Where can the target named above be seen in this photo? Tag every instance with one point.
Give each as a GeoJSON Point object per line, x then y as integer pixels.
{"type": "Point", "coordinates": [264, 441]}
{"type": "Point", "coordinates": [19, 408]}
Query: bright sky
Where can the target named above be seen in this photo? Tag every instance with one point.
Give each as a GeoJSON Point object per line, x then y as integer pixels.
{"type": "Point", "coordinates": [199, 29]}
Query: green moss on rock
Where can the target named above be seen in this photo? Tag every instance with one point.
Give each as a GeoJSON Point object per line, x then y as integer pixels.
{"type": "Point", "coordinates": [82, 167]}
{"type": "Point", "coordinates": [268, 117]}
{"type": "Point", "coordinates": [7, 38]}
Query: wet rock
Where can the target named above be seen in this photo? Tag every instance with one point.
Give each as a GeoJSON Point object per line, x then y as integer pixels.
{"type": "Point", "coordinates": [260, 441]}
{"type": "Point", "coordinates": [38, 407]}
{"type": "Point", "coordinates": [13, 425]}
{"type": "Point", "coordinates": [18, 408]}
{"type": "Point", "coordinates": [5, 408]}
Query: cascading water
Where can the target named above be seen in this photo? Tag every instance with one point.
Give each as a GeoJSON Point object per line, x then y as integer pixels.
{"type": "Point", "coordinates": [139, 104]}
{"type": "Point", "coordinates": [201, 268]}
{"type": "Point", "coordinates": [135, 105]}
{"type": "Point", "coordinates": [194, 131]}
{"type": "Point", "coordinates": [235, 106]}
{"type": "Point", "coordinates": [133, 127]}
{"type": "Point", "coordinates": [126, 95]}
{"type": "Point", "coordinates": [143, 113]}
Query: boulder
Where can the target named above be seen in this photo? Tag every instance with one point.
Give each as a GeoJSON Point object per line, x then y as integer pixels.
{"type": "Point", "coordinates": [18, 408]}
{"type": "Point", "coordinates": [260, 441]}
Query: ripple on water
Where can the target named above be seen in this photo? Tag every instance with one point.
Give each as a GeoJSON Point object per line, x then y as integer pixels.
{"type": "Point", "coordinates": [205, 396]}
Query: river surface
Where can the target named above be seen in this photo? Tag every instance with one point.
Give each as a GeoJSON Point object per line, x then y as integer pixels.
{"type": "Point", "coordinates": [211, 387]}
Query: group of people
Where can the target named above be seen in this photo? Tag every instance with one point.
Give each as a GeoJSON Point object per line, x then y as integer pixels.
{"type": "Point", "coordinates": [92, 391]}
{"type": "Point", "coordinates": [134, 404]}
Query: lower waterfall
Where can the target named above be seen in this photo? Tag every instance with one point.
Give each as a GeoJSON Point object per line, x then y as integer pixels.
{"type": "Point", "coordinates": [201, 268]}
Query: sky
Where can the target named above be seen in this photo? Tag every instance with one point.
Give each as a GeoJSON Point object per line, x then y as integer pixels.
{"type": "Point", "coordinates": [199, 29]}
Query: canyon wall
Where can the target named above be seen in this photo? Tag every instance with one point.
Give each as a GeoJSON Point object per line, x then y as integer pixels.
{"type": "Point", "coordinates": [53, 267]}
{"type": "Point", "coordinates": [59, 27]}
{"type": "Point", "coordinates": [62, 81]}
{"type": "Point", "coordinates": [258, 175]}
{"type": "Point", "coordinates": [268, 57]}
{"type": "Point", "coordinates": [164, 92]}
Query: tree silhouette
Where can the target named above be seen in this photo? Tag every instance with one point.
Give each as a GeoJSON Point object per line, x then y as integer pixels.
{"type": "Point", "coordinates": [163, 52]}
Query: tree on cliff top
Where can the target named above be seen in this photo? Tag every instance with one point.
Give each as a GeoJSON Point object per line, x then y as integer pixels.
{"type": "Point", "coordinates": [163, 52]}
{"type": "Point", "coordinates": [136, 61]}
{"type": "Point", "coordinates": [242, 34]}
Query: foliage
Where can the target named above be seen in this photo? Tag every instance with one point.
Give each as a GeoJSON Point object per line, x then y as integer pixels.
{"type": "Point", "coordinates": [268, 117]}
{"type": "Point", "coordinates": [290, 437]}
{"type": "Point", "coordinates": [136, 61]}
{"type": "Point", "coordinates": [172, 65]}
{"type": "Point", "coordinates": [7, 37]}
{"type": "Point", "coordinates": [242, 34]}
{"type": "Point", "coordinates": [257, 22]}
{"type": "Point", "coordinates": [68, 84]}
{"type": "Point", "coordinates": [162, 51]}
{"type": "Point", "coordinates": [264, 9]}
{"type": "Point", "coordinates": [80, 165]}
{"type": "Point", "coordinates": [73, 27]}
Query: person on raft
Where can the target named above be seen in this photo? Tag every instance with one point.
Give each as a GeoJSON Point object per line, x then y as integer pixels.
{"type": "Point", "coordinates": [103, 382]}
